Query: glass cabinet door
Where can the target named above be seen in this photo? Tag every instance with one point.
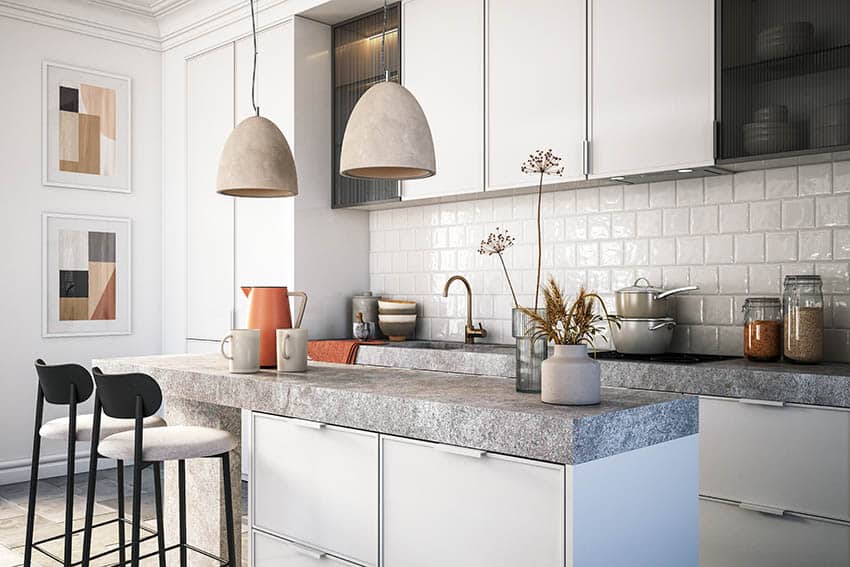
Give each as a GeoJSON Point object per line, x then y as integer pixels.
{"type": "Point", "coordinates": [784, 77]}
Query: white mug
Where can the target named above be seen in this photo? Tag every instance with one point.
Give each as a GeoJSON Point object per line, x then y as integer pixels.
{"type": "Point", "coordinates": [291, 350]}
{"type": "Point", "coordinates": [244, 354]}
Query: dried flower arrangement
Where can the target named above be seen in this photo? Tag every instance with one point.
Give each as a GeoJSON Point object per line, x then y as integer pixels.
{"type": "Point", "coordinates": [496, 243]}
{"type": "Point", "coordinates": [569, 323]}
{"type": "Point", "coordinates": [543, 163]}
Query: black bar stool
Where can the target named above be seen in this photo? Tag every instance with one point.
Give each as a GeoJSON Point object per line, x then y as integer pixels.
{"type": "Point", "coordinates": [138, 396]}
{"type": "Point", "coordinates": [70, 385]}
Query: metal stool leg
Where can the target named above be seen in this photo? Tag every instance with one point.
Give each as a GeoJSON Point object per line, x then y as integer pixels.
{"type": "Point", "coordinates": [160, 529]}
{"type": "Point", "coordinates": [122, 539]}
{"type": "Point", "coordinates": [137, 512]}
{"type": "Point", "coordinates": [36, 453]}
{"type": "Point", "coordinates": [90, 493]}
{"type": "Point", "coordinates": [69, 481]}
{"type": "Point", "coordinates": [228, 508]}
{"type": "Point", "coordinates": [181, 490]}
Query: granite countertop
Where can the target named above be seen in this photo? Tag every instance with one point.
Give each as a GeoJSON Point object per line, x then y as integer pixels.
{"type": "Point", "coordinates": [826, 384]}
{"type": "Point", "coordinates": [482, 412]}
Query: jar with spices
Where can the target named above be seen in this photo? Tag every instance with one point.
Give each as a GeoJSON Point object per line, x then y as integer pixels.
{"type": "Point", "coordinates": [762, 329]}
{"type": "Point", "coordinates": [803, 317]}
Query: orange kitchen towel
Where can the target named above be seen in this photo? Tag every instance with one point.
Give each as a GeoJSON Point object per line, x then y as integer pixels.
{"type": "Point", "coordinates": [337, 351]}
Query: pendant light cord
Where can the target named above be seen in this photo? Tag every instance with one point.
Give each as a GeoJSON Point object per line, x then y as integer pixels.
{"type": "Point", "coordinates": [383, 45]}
{"type": "Point", "coordinates": [254, 72]}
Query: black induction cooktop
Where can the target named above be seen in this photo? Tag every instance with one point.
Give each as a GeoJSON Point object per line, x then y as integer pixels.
{"type": "Point", "coordinates": [669, 357]}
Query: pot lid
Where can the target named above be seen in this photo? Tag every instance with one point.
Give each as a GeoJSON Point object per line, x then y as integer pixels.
{"type": "Point", "coordinates": [639, 287]}
{"type": "Point", "coordinates": [644, 319]}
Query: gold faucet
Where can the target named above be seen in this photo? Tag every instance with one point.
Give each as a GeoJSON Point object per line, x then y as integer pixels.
{"type": "Point", "coordinates": [471, 331]}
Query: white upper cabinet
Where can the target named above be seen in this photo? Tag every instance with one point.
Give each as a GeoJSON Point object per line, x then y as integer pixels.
{"type": "Point", "coordinates": [209, 215]}
{"type": "Point", "coordinates": [443, 66]}
{"type": "Point", "coordinates": [536, 87]}
{"type": "Point", "coordinates": [651, 85]}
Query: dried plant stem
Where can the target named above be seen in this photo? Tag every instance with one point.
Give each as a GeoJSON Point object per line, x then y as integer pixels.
{"type": "Point", "coordinates": [539, 240]}
{"type": "Point", "coordinates": [508, 277]}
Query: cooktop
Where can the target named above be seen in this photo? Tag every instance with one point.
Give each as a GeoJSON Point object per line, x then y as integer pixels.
{"type": "Point", "coordinates": [671, 357]}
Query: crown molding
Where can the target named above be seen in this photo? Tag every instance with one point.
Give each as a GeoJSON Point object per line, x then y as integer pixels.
{"type": "Point", "coordinates": [124, 30]}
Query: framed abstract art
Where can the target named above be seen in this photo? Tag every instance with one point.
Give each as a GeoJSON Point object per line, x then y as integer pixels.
{"type": "Point", "coordinates": [85, 275]}
{"type": "Point", "coordinates": [86, 128]}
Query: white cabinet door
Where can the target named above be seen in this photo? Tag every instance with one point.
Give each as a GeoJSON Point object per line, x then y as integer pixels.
{"type": "Point", "coordinates": [792, 458]}
{"type": "Point", "coordinates": [442, 48]}
{"type": "Point", "coordinates": [536, 87]}
{"type": "Point", "coordinates": [651, 85]}
{"type": "Point", "coordinates": [264, 240]}
{"type": "Point", "coordinates": [317, 485]}
{"type": "Point", "coordinates": [209, 111]}
{"type": "Point", "coordinates": [455, 507]}
{"type": "Point", "coordinates": [270, 551]}
{"type": "Point", "coordinates": [735, 537]}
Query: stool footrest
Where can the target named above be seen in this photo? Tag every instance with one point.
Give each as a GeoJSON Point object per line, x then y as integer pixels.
{"type": "Point", "coordinates": [35, 545]}
{"type": "Point", "coordinates": [221, 561]}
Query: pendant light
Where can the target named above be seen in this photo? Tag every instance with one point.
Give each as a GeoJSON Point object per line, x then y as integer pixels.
{"type": "Point", "coordinates": [256, 160]}
{"type": "Point", "coordinates": [387, 135]}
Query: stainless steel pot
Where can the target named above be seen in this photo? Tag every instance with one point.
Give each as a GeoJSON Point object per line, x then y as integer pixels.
{"type": "Point", "coordinates": [643, 335]}
{"type": "Point", "coordinates": [646, 301]}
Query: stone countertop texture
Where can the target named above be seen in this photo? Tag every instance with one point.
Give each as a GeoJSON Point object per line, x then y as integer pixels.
{"type": "Point", "coordinates": [481, 412]}
{"type": "Point", "coordinates": [826, 384]}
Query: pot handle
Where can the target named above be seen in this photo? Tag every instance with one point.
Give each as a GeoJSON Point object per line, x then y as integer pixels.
{"type": "Point", "coordinates": [668, 324]}
{"type": "Point", "coordinates": [670, 292]}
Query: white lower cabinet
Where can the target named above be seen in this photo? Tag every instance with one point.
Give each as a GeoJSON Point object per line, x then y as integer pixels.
{"type": "Point", "coordinates": [317, 486]}
{"type": "Point", "coordinates": [271, 551]}
{"type": "Point", "coordinates": [455, 507]}
{"type": "Point", "coordinates": [731, 536]}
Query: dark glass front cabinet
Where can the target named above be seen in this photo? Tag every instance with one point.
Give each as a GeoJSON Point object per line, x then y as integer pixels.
{"type": "Point", "coordinates": [784, 78]}
{"type": "Point", "coordinates": [356, 67]}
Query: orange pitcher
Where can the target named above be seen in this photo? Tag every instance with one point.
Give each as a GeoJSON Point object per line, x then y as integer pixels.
{"type": "Point", "coordinates": [268, 311]}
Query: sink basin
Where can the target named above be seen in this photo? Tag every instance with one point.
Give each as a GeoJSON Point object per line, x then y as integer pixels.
{"type": "Point", "coordinates": [442, 356]}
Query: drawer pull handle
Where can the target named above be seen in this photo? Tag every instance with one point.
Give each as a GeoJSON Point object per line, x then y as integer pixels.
{"type": "Point", "coordinates": [771, 403]}
{"type": "Point", "coordinates": [308, 424]}
{"type": "Point", "coordinates": [463, 451]}
{"type": "Point", "coordinates": [307, 551]}
{"type": "Point", "coordinates": [761, 508]}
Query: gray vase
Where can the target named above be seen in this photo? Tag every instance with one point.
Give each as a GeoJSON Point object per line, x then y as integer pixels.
{"type": "Point", "coordinates": [570, 377]}
{"type": "Point", "coordinates": [530, 353]}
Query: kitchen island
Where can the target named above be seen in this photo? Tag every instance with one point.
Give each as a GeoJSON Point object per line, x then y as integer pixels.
{"type": "Point", "coordinates": [365, 465]}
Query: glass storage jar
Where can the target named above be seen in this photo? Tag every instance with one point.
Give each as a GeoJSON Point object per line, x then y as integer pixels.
{"type": "Point", "coordinates": [763, 328]}
{"type": "Point", "coordinates": [803, 317]}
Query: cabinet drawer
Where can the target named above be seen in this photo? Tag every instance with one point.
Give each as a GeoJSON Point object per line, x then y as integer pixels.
{"type": "Point", "coordinates": [317, 485]}
{"type": "Point", "coordinates": [449, 506]}
{"type": "Point", "coordinates": [731, 536]}
{"type": "Point", "coordinates": [791, 457]}
{"type": "Point", "coordinates": [270, 551]}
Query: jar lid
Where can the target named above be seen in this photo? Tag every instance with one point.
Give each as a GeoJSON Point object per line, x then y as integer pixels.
{"type": "Point", "coordinates": [802, 278]}
{"type": "Point", "coordinates": [762, 301]}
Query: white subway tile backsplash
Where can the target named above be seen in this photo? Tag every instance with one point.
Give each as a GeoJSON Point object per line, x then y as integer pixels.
{"type": "Point", "coordinates": [815, 179]}
{"type": "Point", "coordinates": [731, 235]}
{"type": "Point", "coordinates": [832, 211]}
{"type": "Point", "coordinates": [676, 221]}
{"type": "Point", "coordinates": [749, 186]}
{"type": "Point", "coordinates": [662, 195]}
{"type": "Point", "coordinates": [798, 213]}
{"type": "Point", "coordinates": [815, 245]}
{"type": "Point", "coordinates": [734, 218]}
{"type": "Point", "coordinates": [780, 183]}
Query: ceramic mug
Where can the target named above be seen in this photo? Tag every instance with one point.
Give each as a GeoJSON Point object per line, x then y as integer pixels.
{"type": "Point", "coordinates": [291, 350]}
{"type": "Point", "coordinates": [244, 354]}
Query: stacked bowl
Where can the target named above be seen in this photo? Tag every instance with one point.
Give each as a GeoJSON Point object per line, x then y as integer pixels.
{"type": "Point", "coordinates": [831, 125]}
{"type": "Point", "coordinates": [770, 132]}
{"type": "Point", "coordinates": [785, 40]}
{"type": "Point", "coordinates": [397, 318]}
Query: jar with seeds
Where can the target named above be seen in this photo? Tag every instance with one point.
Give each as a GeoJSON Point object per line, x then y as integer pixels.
{"type": "Point", "coordinates": [803, 317]}
{"type": "Point", "coordinates": [763, 329]}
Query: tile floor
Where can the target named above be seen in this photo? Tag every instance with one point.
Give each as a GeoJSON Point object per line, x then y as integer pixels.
{"type": "Point", "coordinates": [51, 513]}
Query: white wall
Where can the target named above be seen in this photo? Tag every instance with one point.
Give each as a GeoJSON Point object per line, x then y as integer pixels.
{"type": "Point", "coordinates": [734, 236]}
{"type": "Point", "coordinates": [23, 46]}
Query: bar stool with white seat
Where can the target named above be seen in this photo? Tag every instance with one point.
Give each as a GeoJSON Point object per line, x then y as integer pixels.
{"type": "Point", "coordinates": [138, 396]}
{"type": "Point", "coordinates": [70, 385]}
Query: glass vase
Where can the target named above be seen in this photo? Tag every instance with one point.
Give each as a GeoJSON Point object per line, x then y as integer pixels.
{"type": "Point", "coordinates": [530, 353]}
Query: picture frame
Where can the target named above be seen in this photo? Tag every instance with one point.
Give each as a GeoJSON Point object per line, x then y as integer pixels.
{"type": "Point", "coordinates": [86, 275]}
{"type": "Point", "coordinates": [86, 128]}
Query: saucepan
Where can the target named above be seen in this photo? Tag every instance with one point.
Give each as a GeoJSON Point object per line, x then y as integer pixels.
{"type": "Point", "coordinates": [643, 336]}
{"type": "Point", "coordinates": [645, 301]}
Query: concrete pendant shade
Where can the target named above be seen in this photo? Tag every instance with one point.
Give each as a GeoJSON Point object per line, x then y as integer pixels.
{"type": "Point", "coordinates": [257, 162]}
{"type": "Point", "coordinates": [387, 137]}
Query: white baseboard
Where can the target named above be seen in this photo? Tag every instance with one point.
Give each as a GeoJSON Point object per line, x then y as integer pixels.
{"type": "Point", "coordinates": [50, 466]}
